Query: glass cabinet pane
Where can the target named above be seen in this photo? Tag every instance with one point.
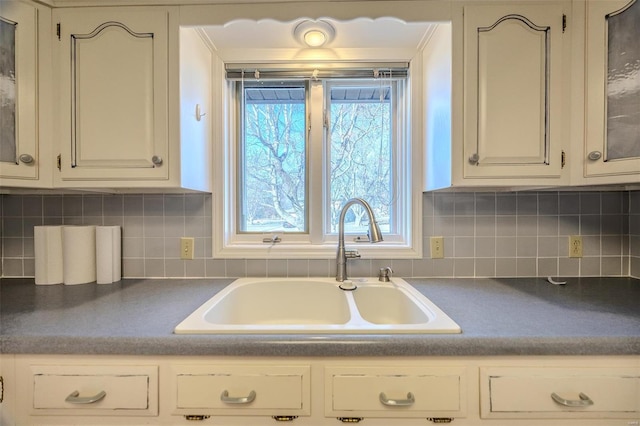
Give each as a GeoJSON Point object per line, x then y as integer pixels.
{"type": "Point", "coordinates": [7, 91]}
{"type": "Point", "coordinates": [623, 83]}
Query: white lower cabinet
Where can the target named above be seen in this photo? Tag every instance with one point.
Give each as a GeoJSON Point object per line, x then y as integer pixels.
{"type": "Point", "coordinates": [557, 393]}
{"type": "Point", "coordinates": [7, 388]}
{"type": "Point", "coordinates": [94, 390]}
{"type": "Point", "coordinates": [386, 391]}
{"type": "Point", "coordinates": [313, 391]}
{"type": "Point", "coordinates": [219, 389]}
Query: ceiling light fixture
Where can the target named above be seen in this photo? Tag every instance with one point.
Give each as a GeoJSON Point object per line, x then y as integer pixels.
{"type": "Point", "coordinates": [315, 38]}
{"type": "Point", "coordinates": [314, 33]}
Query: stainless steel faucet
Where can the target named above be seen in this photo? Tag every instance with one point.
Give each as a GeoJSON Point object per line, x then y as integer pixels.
{"type": "Point", "coordinates": [385, 274]}
{"type": "Point", "coordinates": [375, 236]}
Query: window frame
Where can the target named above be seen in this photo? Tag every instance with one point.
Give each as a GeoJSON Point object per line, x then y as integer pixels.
{"type": "Point", "coordinates": [398, 157]}
{"type": "Point", "coordinates": [240, 127]}
{"type": "Point", "coordinates": [228, 244]}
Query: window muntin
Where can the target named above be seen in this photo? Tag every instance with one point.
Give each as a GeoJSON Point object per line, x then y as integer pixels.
{"type": "Point", "coordinates": [272, 169]}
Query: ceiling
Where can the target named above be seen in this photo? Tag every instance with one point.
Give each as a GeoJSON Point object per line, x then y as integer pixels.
{"type": "Point", "coordinates": [362, 39]}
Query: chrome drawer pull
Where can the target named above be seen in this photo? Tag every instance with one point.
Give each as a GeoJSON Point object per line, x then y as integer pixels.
{"type": "Point", "coordinates": [224, 397]}
{"type": "Point", "coordinates": [397, 402]}
{"type": "Point", "coordinates": [73, 398]}
{"type": "Point", "coordinates": [584, 400]}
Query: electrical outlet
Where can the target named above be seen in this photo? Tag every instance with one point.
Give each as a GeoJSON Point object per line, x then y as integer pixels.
{"type": "Point", "coordinates": [575, 246]}
{"type": "Point", "coordinates": [186, 248]}
{"type": "Point", "coordinates": [437, 247]}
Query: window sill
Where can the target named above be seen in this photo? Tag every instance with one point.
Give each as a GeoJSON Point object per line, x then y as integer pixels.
{"type": "Point", "coordinates": [315, 251]}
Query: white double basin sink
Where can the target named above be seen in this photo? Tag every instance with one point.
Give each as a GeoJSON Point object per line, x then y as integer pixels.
{"type": "Point", "coordinates": [317, 306]}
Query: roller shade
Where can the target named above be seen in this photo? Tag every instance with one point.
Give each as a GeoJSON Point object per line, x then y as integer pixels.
{"type": "Point", "coordinates": [245, 72]}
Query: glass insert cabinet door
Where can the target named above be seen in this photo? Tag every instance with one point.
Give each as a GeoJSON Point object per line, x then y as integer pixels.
{"type": "Point", "coordinates": [8, 90]}
{"type": "Point", "coordinates": [613, 89]}
{"type": "Point", "coordinates": [623, 83]}
{"type": "Point", "coordinates": [18, 73]}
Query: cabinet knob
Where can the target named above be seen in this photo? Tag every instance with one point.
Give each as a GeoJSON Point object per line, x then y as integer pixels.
{"type": "Point", "coordinates": [473, 159]}
{"type": "Point", "coordinates": [594, 155]}
{"type": "Point", "coordinates": [26, 158]}
{"type": "Point", "coordinates": [157, 160]}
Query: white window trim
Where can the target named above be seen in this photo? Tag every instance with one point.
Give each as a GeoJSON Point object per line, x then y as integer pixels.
{"type": "Point", "coordinates": [228, 245]}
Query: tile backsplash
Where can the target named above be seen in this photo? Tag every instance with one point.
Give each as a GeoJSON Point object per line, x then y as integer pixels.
{"type": "Point", "coordinates": [486, 234]}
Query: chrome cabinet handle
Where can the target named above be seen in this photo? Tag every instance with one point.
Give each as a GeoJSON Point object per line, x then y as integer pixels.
{"type": "Point", "coordinates": [584, 400]}
{"type": "Point", "coordinates": [595, 155]}
{"type": "Point", "coordinates": [224, 397]}
{"type": "Point", "coordinates": [157, 160]}
{"type": "Point", "coordinates": [397, 402]}
{"type": "Point", "coordinates": [73, 398]}
{"type": "Point", "coordinates": [26, 158]}
{"type": "Point", "coordinates": [473, 159]}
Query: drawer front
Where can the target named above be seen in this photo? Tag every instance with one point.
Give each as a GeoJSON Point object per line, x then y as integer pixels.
{"type": "Point", "coordinates": [246, 390]}
{"type": "Point", "coordinates": [391, 392]}
{"type": "Point", "coordinates": [94, 390]}
{"type": "Point", "coordinates": [555, 392]}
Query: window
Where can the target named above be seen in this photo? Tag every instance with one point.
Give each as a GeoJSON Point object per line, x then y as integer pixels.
{"type": "Point", "coordinates": [300, 149]}
{"type": "Point", "coordinates": [361, 150]}
{"type": "Point", "coordinates": [272, 169]}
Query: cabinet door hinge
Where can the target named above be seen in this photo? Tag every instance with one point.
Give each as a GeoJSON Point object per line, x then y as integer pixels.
{"type": "Point", "coordinates": [564, 23]}
{"type": "Point", "coordinates": [563, 159]}
{"type": "Point", "coordinates": [58, 30]}
{"type": "Point", "coordinates": [59, 162]}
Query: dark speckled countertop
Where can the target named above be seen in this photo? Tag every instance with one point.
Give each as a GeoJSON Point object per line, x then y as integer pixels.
{"type": "Point", "coordinates": [588, 316]}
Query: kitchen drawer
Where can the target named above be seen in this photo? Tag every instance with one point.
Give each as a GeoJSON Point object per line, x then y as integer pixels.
{"type": "Point", "coordinates": [560, 392]}
{"type": "Point", "coordinates": [95, 390]}
{"type": "Point", "coordinates": [242, 390]}
{"type": "Point", "coordinates": [395, 392]}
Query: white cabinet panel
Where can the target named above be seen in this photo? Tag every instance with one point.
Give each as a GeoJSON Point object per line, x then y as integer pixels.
{"type": "Point", "coordinates": [242, 390]}
{"type": "Point", "coordinates": [112, 67]}
{"type": "Point", "coordinates": [102, 135]}
{"type": "Point", "coordinates": [513, 91]}
{"type": "Point", "coordinates": [560, 392]}
{"type": "Point", "coordinates": [7, 390]}
{"type": "Point", "coordinates": [395, 392]}
{"type": "Point", "coordinates": [94, 390]}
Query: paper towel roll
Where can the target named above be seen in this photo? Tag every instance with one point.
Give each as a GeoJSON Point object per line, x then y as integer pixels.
{"type": "Point", "coordinates": [108, 254]}
{"type": "Point", "coordinates": [79, 254]}
{"type": "Point", "coordinates": [47, 242]}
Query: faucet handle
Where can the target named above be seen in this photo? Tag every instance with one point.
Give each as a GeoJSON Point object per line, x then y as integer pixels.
{"type": "Point", "coordinates": [351, 254]}
{"type": "Point", "coordinates": [385, 274]}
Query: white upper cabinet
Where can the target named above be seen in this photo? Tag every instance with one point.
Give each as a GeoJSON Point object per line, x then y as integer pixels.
{"type": "Point", "coordinates": [113, 79]}
{"type": "Point", "coordinates": [513, 94]}
{"type": "Point", "coordinates": [612, 138]}
{"type": "Point", "coordinates": [19, 134]}
{"type": "Point", "coordinates": [121, 74]}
